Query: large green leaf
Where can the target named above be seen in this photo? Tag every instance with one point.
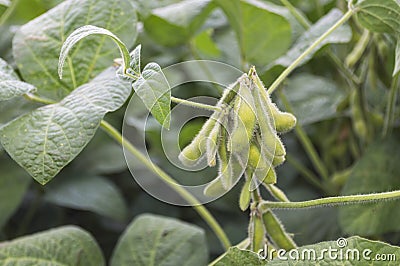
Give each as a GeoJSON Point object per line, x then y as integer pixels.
{"type": "Point", "coordinates": [313, 98]}
{"type": "Point", "coordinates": [235, 257]}
{"type": "Point", "coordinates": [62, 246]}
{"type": "Point", "coordinates": [85, 192]}
{"type": "Point", "coordinates": [155, 240]}
{"type": "Point", "coordinates": [37, 44]}
{"type": "Point", "coordinates": [153, 88]}
{"type": "Point", "coordinates": [47, 139]}
{"type": "Point", "coordinates": [263, 34]}
{"type": "Point", "coordinates": [10, 85]}
{"type": "Point", "coordinates": [341, 35]}
{"type": "Point", "coordinates": [379, 16]}
{"type": "Point", "coordinates": [351, 251]}
{"type": "Point", "coordinates": [377, 171]}
{"type": "Point", "coordinates": [13, 185]}
{"type": "Point", "coordinates": [176, 23]}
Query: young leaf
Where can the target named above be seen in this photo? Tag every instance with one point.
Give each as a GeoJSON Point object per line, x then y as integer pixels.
{"type": "Point", "coordinates": [380, 159]}
{"type": "Point", "coordinates": [10, 85]}
{"type": "Point", "coordinates": [379, 16]}
{"type": "Point", "coordinates": [156, 240]}
{"type": "Point", "coordinates": [340, 35]}
{"type": "Point", "coordinates": [153, 88]}
{"type": "Point", "coordinates": [84, 32]}
{"type": "Point", "coordinates": [70, 245]}
{"type": "Point", "coordinates": [258, 29]}
{"type": "Point", "coordinates": [87, 192]}
{"type": "Point", "coordinates": [47, 139]}
{"type": "Point", "coordinates": [36, 48]}
{"type": "Point", "coordinates": [135, 60]}
{"type": "Point", "coordinates": [183, 19]}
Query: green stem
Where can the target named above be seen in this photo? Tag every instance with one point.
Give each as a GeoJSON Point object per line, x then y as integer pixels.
{"type": "Point", "coordinates": [8, 12]}
{"type": "Point", "coordinates": [296, 14]}
{"type": "Point", "coordinates": [307, 144]}
{"type": "Point", "coordinates": [195, 105]}
{"type": "Point", "coordinates": [34, 98]}
{"type": "Point", "coordinates": [390, 108]}
{"type": "Point", "coordinates": [331, 201]}
{"type": "Point", "coordinates": [201, 210]}
{"type": "Point", "coordinates": [297, 62]}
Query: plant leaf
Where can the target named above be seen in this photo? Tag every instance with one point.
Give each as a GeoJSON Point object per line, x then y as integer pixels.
{"type": "Point", "coordinates": [182, 19]}
{"type": "Point", "coordinates": [341, 35]}
{"type": "Point", "coordinates": [379, 16]}
{"type": "Point", "coordinates": [259, 44]}
{"type": "Point", "coordinates": [84, 32]}
{"type": "Point", "coordinates": [36, 47]}
{"type": "Point", "coordinates": [313, 98]}
{"type": "Point", "coordinates": [354, 245]}
{"type": "Point", "coordinates": [67, 245]}
{"type": "Point", "coordinates": [153, 88]}
{"type": "Point", "coordinates": [13, 184]}
{"type": "Point", "coordinates": [376, 171]}
{"type": "Point", "coordinates": [48, 138]}
{"type": "Point", "coordinates": [156, 240]}
{"type": "Point", "coordinates": [397, 59]}
{"type": "Point", "coordinates": [236, 256]}
{"type": "Point", "coordinates": [87, 192]}
{"type": "Point", "coordinates": [10, 85]}
{"type": "Point", "coordinates": [135, 59]}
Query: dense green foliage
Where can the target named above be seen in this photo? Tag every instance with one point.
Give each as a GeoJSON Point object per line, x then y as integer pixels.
{"type": "Point", "coordinates": [66, 194]}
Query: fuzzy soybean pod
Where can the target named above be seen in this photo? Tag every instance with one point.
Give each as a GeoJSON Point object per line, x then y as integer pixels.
{"type": "Point", "coordinates": [256, 231]}
{"type": "Point", "coordinates": [225, 165]}
{"type": "Point", "coordinates": [244, 199]}
{"type": "Point", "coordinates": [278, 160]}
{"type": "Point", "coordinates": [213, 142]}
{"type": "Point", "coordinates": [284, 121]}
{"type": "Point", "coordinates": [269, 137]}
{"type": "Point", "coordinates": [191, 154]}
{"type": "Point", "coordinates": [276, 231]}
{"type": "Point", "coordinates": [244, 117]}
{"type": "Point", "coordinates": [359, 125]}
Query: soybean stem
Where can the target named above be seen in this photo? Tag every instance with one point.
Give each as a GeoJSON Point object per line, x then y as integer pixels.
{"type": "Point", "coordinates": [331, 201]}
{"type": "Point", "coordinates": [195, 104]}
{"type": "Point", "coordinates": [298, 61]}
{"type": "Point", "coordinates": [390, 108]}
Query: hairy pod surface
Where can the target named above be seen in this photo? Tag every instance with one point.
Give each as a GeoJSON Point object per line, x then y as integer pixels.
{"type": "Point", "coordinates": [276, 231]}
{"type": "Point", "coordinates": [212, 144]}
{"type": "Point", "coordinates": [191, 154]}
{"type": "Point", "coordinates": [284, 121]}
{"type": "Point", "coordinates": [244, 199]}
{"type": "Point", "coordinates": [256, 232]}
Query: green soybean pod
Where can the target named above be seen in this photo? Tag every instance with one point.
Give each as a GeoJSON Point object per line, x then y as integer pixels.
{"type": "Point", "coordinates": [194, 151]}
{"type": "Point", "coordinates": [256, 232]}
{"type": "Point", "coordinates": [268, 135]}
{"type": "Point", "coordinates": [278, 160]}
{"type": "Point", "coordinates": [215, 188]}
{"type": "Point", "coordinates": [212, 144]}
{"type": "Point", "coordinates": [276, 192]}
{"type": "Point", "coordinates": [244, 116]}
{"type": "Point", "coordinates": [284, 121]}
{"type": "Point", "coordinates": [359, 125]}
{"type": "Point", "coordinates": [276, 231]}
{"type": "Point", "coordinates": [225, 163]}
{"type": "Point", "coordinates": [244, 199]}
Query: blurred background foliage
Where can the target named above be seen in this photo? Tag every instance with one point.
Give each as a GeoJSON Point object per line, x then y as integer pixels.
{"type": "Point", "coordinates": [343, 119]}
